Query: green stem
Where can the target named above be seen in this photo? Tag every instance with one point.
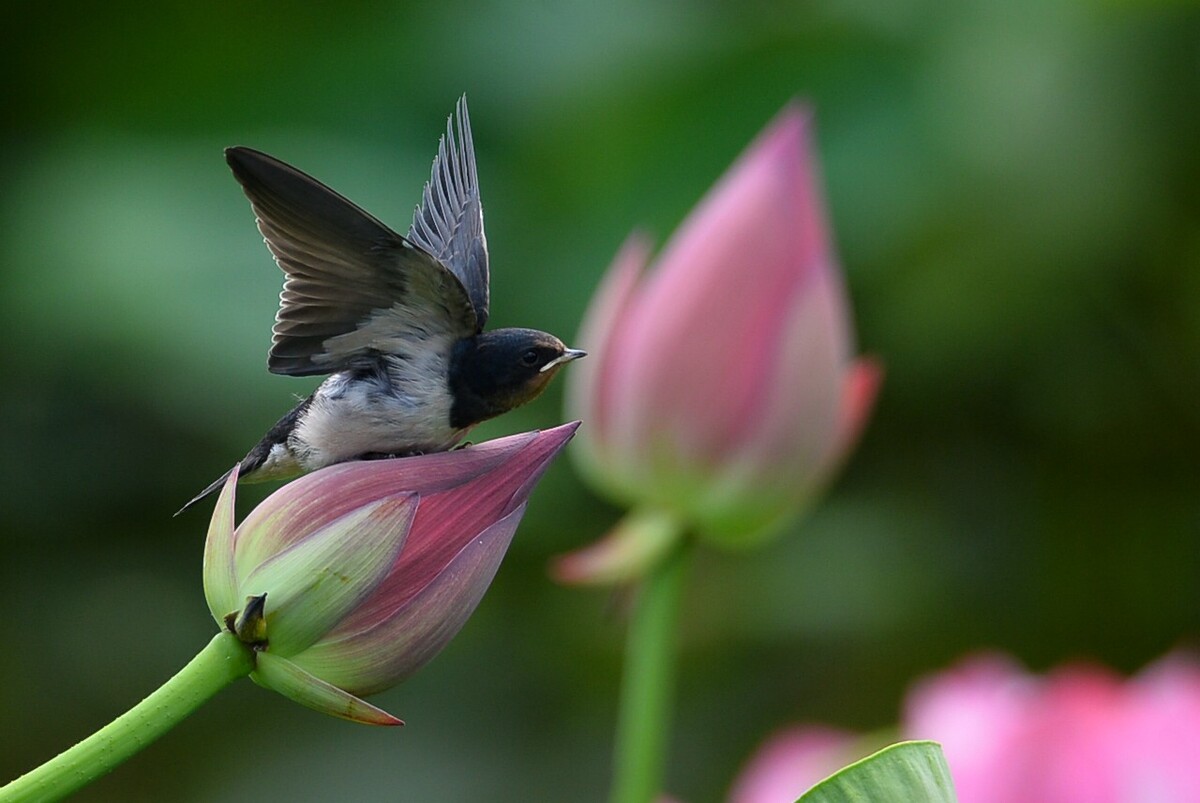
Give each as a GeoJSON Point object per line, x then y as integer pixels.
{"type": "Point", "coordinates": [647, 688]}
{"type": "Point", "coordinates": [223, 661]}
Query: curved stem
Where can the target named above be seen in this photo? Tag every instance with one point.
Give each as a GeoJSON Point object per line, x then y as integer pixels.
{"type": "Point", "coordinates": [647, 686]}
{"type": "Point", "coordinates": [223, 661]}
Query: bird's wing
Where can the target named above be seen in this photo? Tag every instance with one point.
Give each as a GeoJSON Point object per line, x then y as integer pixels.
{"type": "Point", "coordinates": [449, 221]}
{"type": "Point", "coordinates": [353, 287]}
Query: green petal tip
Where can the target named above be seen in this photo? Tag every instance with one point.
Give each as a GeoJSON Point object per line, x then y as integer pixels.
{"type": "Point", "coordinates": [281, 675]}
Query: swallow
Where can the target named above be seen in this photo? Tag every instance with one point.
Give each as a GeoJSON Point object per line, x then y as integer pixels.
{"type": "Point", "coordinates": [396, 322]}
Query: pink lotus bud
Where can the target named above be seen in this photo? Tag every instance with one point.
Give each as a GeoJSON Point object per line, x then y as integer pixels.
{"type": "Point", "coordinates": [723, 386]}
{"type": "Point", "coordinates": [349, 579]}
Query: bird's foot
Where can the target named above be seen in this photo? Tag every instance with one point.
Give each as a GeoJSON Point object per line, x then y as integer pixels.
{"type": "Point", "coordinates": [386, 455]}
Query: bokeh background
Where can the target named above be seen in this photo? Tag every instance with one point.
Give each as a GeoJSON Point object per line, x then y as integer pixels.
{"type": "Point", "coordinates": [1015, 189]}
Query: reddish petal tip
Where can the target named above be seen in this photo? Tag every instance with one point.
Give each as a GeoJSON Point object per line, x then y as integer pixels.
{"type": "Point", "coordinates": [562, 431]}
{"type": "Point", "coordinates": [551, 441]}
{"type": "Point", "coordinates": [859, 394]}
{"type": "Point", "coordinates": [799, 109]}
{"type": "Point", "coordinates": [573, 568]}
{"type": "Point", "coordinates": [636, 248]}
{"type": "Point", "coordinates": [787, 133]}
{"type": "Point", "coordinates": [637, 544]}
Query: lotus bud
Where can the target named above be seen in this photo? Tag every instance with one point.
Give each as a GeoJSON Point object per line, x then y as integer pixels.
{"type": "Point", "coordinates": [347, 580]}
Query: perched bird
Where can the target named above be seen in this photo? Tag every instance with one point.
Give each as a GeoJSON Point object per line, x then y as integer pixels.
{"type": "Point", "coordinates": [397, 322]}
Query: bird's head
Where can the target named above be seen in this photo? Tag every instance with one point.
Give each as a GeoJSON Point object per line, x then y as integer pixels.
{"type": "Point", "coordinates": [496, 371]}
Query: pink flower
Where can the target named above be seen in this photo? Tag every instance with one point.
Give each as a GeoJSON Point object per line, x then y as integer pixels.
{"type": "Point", "coordinates": [1078, 735]}
{"type": "Point", "coordinates": [349, 579]}
{"type": "Point", "coordinates": [724, 387]}
{"type": "Point", "coordinates": [793, 760]}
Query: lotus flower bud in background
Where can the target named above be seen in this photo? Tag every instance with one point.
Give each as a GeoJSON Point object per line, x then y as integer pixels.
{"type": "Point", "coordinates": [349, 579]}
{"type": "Point", "coordinates": [723, 386]}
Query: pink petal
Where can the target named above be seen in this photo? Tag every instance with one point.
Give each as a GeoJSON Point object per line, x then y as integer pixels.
{"type": "Point", "coordinates": [1074, 736]}
{"type": "Point", "coordinates": [978, 712]}
{"type": "Point", "coordinates": [1071, 749]}
{"type": "Point", "coordinates": [450, 519]}
{"type": "Point", "coordinates": [636, 544]}
{"type": "Point", "coordinates": [1162, 730]}
{"type": "Point", "coordinates": [704, 331]}
{"type": "Point", "coordinates": [798, 422]}
{"type": "Point", "coordinates": [313, 501]}
{"type": "Point", "coordinates": [371, 659]}
{"type": "Point", "coordinates": [588, 386]}
{"type": "Point", "coordinates": [792, 761]}
{"type": "Point", "coordinates": [861, 390]}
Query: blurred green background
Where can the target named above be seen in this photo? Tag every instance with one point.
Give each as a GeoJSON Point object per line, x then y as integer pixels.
{"type": "Point", "coordinates": [1015, 189]}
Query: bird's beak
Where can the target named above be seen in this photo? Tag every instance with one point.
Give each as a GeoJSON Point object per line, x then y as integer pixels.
{"type": "Point", "coordinates": [565, 357]}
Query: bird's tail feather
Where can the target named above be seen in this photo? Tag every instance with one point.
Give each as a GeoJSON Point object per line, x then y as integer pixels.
{"type": "Point", "coordinates": [211, 489]}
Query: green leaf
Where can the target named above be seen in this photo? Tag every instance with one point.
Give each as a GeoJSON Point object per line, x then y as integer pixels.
{"type": "Point", "coordinates": [907, 772]}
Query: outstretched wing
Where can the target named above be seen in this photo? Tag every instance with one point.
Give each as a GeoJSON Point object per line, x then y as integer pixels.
{"type": "Point", "coordinates": [353, 287]}
{"type": "Point", "coordinates": [449, 221]}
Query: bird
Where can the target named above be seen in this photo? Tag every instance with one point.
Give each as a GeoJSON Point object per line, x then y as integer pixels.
{"type": "Point", "coordinates": [395, 322]}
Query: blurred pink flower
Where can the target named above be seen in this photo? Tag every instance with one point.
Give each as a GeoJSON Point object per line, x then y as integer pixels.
{"type": "Point", "coordinates": [349, 579]}
{"type": "Point", "coordinates": [793, 760]}
{"type": "Point", "coordinates": [724, 387]}
{"type": "Point", "coordinates": [1077, 735]}
{"type": "Point", "coordinates": [978, 710]}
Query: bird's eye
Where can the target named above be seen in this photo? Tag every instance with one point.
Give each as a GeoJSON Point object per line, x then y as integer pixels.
{"type": "Point", "coordinates": [530, 358]}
